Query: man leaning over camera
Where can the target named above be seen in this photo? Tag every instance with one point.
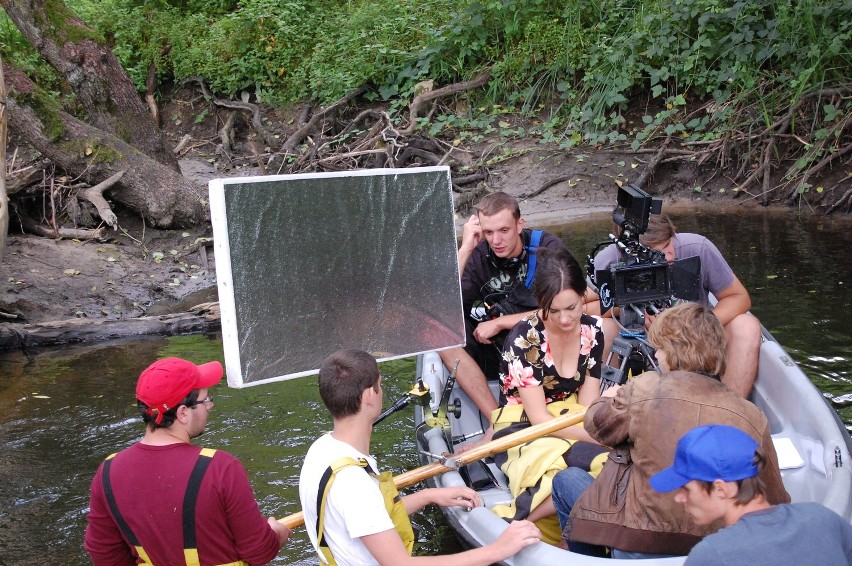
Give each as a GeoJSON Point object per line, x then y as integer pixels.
{"type": "Point", "coordinates": [742, 329]}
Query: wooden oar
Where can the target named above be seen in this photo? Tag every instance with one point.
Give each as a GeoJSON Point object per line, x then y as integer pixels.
{"type": "Point", "coordinates": [417, 475]}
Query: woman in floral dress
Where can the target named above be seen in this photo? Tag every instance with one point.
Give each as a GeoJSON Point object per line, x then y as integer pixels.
{"type": "Point", "coordinates": [551, 364]}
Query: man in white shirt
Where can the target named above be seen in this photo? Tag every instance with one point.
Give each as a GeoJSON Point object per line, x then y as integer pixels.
{"type": "Point", "coordinates": [353, 515]}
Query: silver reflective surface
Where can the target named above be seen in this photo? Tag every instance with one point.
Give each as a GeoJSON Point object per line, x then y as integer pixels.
{"type": "Point", "coordinates": [319, 262]}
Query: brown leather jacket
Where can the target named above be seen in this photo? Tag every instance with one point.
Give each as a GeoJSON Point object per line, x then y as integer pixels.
{"type": "Point", "coordinates": [643, 423]}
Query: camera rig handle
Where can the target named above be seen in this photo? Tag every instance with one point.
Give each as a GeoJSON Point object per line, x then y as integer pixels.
{"type": "Point", "coordinates": [627, 357]}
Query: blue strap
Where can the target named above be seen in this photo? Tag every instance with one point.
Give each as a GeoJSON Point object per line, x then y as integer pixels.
{"type": "Point", "coordinates": [535, 241]}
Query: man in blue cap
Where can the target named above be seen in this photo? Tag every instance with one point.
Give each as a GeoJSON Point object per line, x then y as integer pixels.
{"type": "Point", "coordinates": [715, 473]}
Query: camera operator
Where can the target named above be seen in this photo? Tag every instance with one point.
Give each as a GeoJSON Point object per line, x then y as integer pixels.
{"type": "Point", "coordinates": [742, 330]}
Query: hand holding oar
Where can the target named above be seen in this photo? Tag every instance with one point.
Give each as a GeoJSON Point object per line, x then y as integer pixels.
{"type": "Point", "coordinates": [417, 475]}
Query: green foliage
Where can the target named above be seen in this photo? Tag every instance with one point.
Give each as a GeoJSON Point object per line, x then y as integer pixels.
{"type": "Point", "coordinates": [370, 43]}
{"type": "Point", "coordinates": [576, 66]}
{"type": "Point", "coordinates": [17, 51]}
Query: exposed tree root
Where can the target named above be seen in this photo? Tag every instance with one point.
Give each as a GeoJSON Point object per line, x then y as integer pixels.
{"type": "Point", "coordinates": [33, 227]}
{"type": "Point", "coordinates": [95, 195]}
{"type": "Point", "coordinates": [652, 165]}
{"type": "Point", "coordinates": [254, 109]}
{"type": "Point", "coordinates": [327, 142]}
{"type": "Point", "coordinates": [546, 185]}
{"type": "Point", "coordinates": [423, 98]}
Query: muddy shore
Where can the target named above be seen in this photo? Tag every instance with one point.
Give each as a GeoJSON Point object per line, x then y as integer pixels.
{"type": "Point", "coordinates": [139, 271]}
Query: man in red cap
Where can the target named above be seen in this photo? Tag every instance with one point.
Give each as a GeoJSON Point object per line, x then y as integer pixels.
{"type": "Point", "coordinates": [166, 501]}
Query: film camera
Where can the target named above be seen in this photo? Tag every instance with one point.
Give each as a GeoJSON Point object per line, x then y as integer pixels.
{"type": "Point", "coordinates": [642, 283]}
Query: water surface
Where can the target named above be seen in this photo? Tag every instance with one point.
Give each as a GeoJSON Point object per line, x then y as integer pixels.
{"type": "Point", "coordinates": [62, 411]}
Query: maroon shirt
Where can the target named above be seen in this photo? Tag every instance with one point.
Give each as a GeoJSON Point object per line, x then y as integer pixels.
{"type": "Point", "coordinates": [149, 483]}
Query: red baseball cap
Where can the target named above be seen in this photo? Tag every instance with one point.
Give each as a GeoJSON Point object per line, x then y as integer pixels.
{"type": "Point", "coordinates": [167, 382]}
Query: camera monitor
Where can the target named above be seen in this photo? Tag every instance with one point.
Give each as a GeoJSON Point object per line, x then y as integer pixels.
{"type": "Point", "coordinates": [624, 284]}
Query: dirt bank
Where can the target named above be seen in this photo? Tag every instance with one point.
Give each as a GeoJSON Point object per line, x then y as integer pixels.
{"type": "Point", "coordinates": [139, 271]}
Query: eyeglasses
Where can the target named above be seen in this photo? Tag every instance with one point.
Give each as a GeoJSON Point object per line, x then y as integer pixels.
{"type": "Point", "coordinates": [205, 401]}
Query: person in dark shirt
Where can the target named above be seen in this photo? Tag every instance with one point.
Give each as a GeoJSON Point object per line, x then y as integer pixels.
{"type": "Point", "coordinates": [497, 263]}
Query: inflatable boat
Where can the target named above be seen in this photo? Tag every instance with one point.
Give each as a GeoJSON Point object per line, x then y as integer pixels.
{"type": "Point", "coordinates": [812, 443]}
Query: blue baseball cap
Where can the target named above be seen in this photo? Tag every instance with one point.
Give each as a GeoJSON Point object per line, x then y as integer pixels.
{"type": "Point", "coordinates": [709, 453]}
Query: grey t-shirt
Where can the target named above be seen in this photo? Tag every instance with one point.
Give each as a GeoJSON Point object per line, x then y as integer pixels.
{"type": "Point", "coordinates": [716, 274]}
{"type": "Point", "coordinates": [798, 533]}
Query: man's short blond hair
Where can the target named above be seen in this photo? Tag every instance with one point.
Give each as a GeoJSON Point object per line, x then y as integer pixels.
{"type": "Point", "coordinates": [660, 230]}
{"type": "Point", "coordinates": [498, 202]}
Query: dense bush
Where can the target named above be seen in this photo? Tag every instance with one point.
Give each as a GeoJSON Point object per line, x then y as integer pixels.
{"type": "Point", "coordinates": [577, 65]}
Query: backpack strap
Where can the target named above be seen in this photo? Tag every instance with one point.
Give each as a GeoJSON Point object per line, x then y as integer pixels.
{"type": "Point", "coordinates": [322, 498]}
{"type": "Point", "coordinates": [535, 242]}
{"type": "Point", "coordinates": [190, 545]}
{"type": "Point", "coordinates": [109, 494]}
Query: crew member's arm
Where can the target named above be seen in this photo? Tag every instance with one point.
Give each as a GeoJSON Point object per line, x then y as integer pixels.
{"type": "Point", "coordinates": [388, 550]}
{"type": "Point", "coordinates": [734, 300]}
{"type": "Point", "coordinates": [591, 302]}
{"type": "Point", "coordinates": [607, 418]}
{"type": "Point", "coordinates": [442, 496]}
{"type": "Point", "coordinates": [471, 236]}
{"type": "Point", "coordinates": [256, 538]}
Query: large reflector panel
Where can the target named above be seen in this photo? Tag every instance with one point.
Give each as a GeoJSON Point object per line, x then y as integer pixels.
{"type": "Point", "coordinates": [308, 264]}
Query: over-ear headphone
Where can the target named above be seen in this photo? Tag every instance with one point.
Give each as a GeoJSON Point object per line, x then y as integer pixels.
{"type": "Point", "coordinates": [506, 263]}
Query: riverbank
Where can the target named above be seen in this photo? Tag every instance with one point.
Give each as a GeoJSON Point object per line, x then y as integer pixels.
{"type": "Point", "coordinates": [138, 271]}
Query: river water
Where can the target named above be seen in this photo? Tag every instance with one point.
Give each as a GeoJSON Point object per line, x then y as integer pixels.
{"type": "Point", "coordinates": [62, 411]}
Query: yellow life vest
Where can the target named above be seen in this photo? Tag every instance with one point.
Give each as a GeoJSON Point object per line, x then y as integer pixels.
{"type": "Point", "coordinates": [190, 551]}
{"type": "Point", "coordinates": [393, 505]}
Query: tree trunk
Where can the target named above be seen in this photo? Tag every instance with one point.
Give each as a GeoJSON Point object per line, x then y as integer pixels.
{"type": "Point", "coordinates": [101, 84]}
{"type": "Point", "coordinates": [201, 318]}
{"type": "Point", "coordinates": [160, 194]}
{"type": "Point", "coordinates": [4, 201]}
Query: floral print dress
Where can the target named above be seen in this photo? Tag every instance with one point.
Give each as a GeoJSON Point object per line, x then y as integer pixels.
{"type": "Point", "coordinates": [528, 360]}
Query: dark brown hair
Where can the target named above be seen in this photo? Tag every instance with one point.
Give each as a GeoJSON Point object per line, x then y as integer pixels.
{"type": "Point", "coordinates": [748, 488]}
{"type": "Point", "coordinates": [170, 415]}
{"type": "Point", "coordinates": [557, 271]}
{"type": "Point", "coordinates": [343, 377]}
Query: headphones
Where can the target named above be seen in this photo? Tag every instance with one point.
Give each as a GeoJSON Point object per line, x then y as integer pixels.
{"type": "Point", "coordinates": [506, 263]}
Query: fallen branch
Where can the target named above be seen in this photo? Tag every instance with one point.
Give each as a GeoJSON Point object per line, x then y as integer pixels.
{"type": "Point", "coordinates": [182, 144]}
{"type": "Point", "coordinates": [845, 200]}
{"type": "Point", "coordinates": [425, 97]}
{"type": "Point", "coordinates": [201, 318]}
{"type": "Point", "coordinates": [468, 179]}
{"type": "Point", "coordinates": [652, 165]}
{"type": "Point", "coordinates": [340, 156]}
{"type": "Point", "coordinates": [545, 186]}
{"type": "Point", "coordinates": [33, 227]}
{"type": "Point", "coordinates": [226, 135]}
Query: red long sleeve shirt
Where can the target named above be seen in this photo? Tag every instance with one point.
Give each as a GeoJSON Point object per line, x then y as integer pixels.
{"type": "Point", "coordinates": [149, 483]}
